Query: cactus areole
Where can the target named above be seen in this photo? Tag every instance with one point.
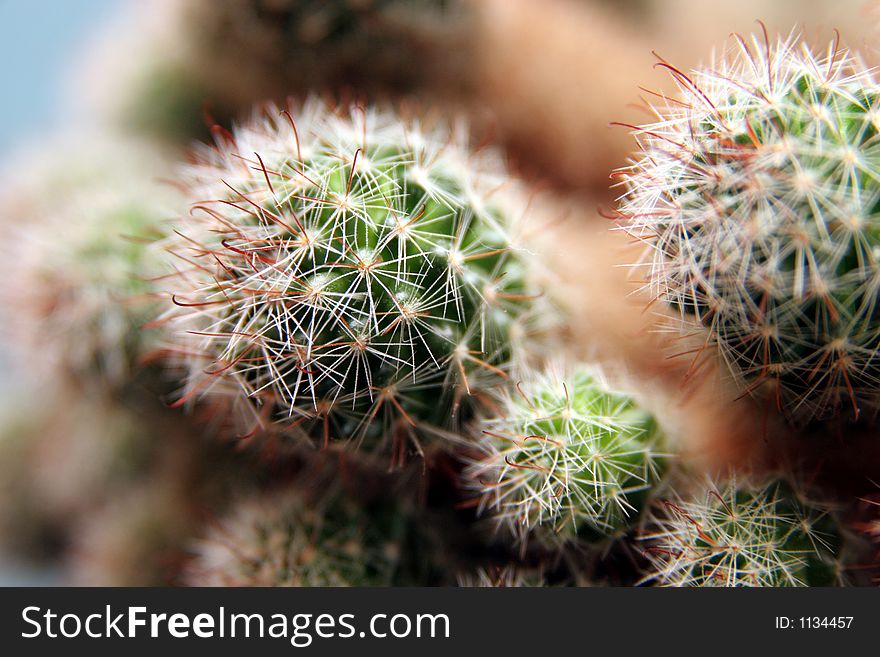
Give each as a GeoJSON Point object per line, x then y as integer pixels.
{"type": "Point", "coordinates": [757, 192]}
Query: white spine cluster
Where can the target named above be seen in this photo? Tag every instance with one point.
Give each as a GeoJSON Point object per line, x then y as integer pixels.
{"type": "Point", "coordinates": [757, 193]}
{"type": "Point", "coordinates": [347, 268]}
{"type": "Point", "coordinates": [738, 535]}
{"type": "Point", "coordinates": [565, 452]}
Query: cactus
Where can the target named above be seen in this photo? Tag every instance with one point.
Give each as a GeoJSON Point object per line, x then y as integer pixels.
{"type": "Point", "coordinates": [566, 456]}
{"type": "Point", "coordinates": [346, 274]}
{"type": "Point", "coordinates": [757, 194]}
{"type": "Point", "coordinates": [80, 272]}
{"type": "Point", "coordinates": [289, 539]}
{"type": "Point", "coordinates": [734, 534]}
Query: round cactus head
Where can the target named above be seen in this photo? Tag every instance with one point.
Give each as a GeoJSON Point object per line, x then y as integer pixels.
{"type": "Point", "coordinates": [738, 535]}
{"type": "Point", "coordinates": [347, 274]}
{"type": "Point", "coordinates": [284, 540]}
{"type": "Point", "coordinates": [566, 456]}
{"type": "Point", "coordinates": [758, 194]}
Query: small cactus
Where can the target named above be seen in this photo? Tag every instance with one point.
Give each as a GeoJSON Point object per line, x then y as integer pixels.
{"type": "Point", "coordinates": [739, 535]}
{"type": "Point", "coordinates": [757, 194]}
{"type": "Point", "coordinates": [566, 455]}
{"type": "Point", "coordinates": [286, 540]}
{"type": "Point", "coordinates": [346, 274]}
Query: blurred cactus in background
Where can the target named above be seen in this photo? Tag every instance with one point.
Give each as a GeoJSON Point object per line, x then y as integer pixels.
{"type": "Point", "coordinates": [352, 275]}
{"type": "Point", "coordinates": [301, 537]}
{"type": "Point", "coordinates": [757, 195]}
{"type": "Point", "coordinates": [77, 257]}
{"type": "Point", "coordinates": [201, 61]}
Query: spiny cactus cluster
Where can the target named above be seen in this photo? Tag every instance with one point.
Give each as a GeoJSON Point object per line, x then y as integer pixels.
{"type": "Point", "coordinates": [757, 195]}
{"type": "Point", "coordinates": [361, 282]}
{"type": "Point", "coordinates": [737, 534]}
{"type": "Point", "coordinates": [348, 274]}
{"type": "Point", "coordinates": [567, 455]}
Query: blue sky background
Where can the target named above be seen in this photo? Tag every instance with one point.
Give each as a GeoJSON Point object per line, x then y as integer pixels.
{"type": "Point", "coordinates": [36, 39]}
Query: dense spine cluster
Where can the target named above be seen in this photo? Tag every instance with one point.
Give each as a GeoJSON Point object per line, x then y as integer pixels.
{"type": "Point", "coordinates": [758, 195]}
{"type": "Point", "coordinates": [566, 455]}
{"type": "Point", "coordinates": [348, 274]}
{"type": "Point", "coordinates": [740, 535]}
